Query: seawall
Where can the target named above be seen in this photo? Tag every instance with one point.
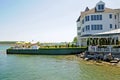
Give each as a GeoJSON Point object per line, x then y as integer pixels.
{"type": "Point", "coordinates": [47, 51]}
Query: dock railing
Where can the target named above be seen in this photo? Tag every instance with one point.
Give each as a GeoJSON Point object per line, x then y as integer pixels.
{"type": "Point", "coordinates": [103, 49]}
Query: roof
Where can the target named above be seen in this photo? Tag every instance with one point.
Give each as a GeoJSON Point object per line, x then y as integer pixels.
{"type": "Point", "coordinates": [112, 32]}
{"type": "Point", "coordinates": [100, 2]}
{"type": "Point", "coordinates": [107, 33]}
{"type": "Point", "coordinates": [92, 11]}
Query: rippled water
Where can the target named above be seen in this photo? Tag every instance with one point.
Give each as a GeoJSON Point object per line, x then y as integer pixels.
{"type": "Point", "coordinates": [43, 67]}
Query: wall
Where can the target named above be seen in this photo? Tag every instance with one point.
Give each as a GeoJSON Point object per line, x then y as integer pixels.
{"type": "Point", "coordinates": [47, 51]}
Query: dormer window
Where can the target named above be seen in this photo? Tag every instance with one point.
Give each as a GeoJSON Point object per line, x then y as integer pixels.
{"type": "Point", "coordinates": [100, 6]}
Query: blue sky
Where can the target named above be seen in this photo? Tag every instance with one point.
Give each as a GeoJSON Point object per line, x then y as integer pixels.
{"type": "Point", "coordinates": [43, 20]}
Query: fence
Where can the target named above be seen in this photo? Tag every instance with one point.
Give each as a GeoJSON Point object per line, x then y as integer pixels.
{"type": "Point", "coordinates": [103, 49]}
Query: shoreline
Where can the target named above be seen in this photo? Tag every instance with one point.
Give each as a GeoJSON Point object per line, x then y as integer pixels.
{"type": "Point", "coordinates": [100, 63]}
{"type": "Point", "coordinates": [92, 62]}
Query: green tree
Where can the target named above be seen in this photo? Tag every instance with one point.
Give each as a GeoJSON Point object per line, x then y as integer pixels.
{"type": "Point", "coordinates": [75, 39]}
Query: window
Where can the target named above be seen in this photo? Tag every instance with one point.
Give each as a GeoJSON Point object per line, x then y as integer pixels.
{"type": "Point", "coordinates": [115, 26]}
{"type": "Point", "coordinates": [115, 16]}
{"type": "Point", "coordinates": [110, 16]}
{"type": "Point", "coordinates": [110, 26]}
{"type": "Point", "coordinates": [96, 27]}
{"type": "Point", "coordinates": [87, 27]}
{"type": "Point", "coordinates": [83, 29]}
{"type": "Point", "coordinates": [86, 18]}
{"type": "Point", "coordinates": [100, 17]}
{"type": "Point", "coordinates": [96, 17]}
{"type": "Point", "coordinates": [79, 33]}
{"type": "Point", "coordinates": [92, 27]}
{"type": "Point", "coordinates": [100, 7]}
{"type": "Point", "coordinates": [83, 21]}
{"type": "Point", "coordinates": [92, 17]}
{"type": "Point", "coordinates": [78, 28]}
{"type": "Point", "coordinates": [101, 27]}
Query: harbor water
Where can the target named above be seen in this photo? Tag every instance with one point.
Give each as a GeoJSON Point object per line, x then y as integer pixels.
{"type": "Point", "coordinates": [52, 67]}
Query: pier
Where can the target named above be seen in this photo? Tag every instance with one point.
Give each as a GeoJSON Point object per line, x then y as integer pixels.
{"type": "Point", "coordinates": [47, 51]}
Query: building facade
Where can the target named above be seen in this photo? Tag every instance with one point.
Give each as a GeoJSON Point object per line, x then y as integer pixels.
{"type": "Point", "coordinates": [97, 20]}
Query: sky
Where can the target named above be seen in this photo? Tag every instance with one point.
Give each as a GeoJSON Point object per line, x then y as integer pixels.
{"type": "Point", "coordinates": [43, 20]}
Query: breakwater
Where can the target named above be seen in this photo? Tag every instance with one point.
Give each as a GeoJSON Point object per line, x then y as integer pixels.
{"type": "Point", "coordinates": [47, 51]}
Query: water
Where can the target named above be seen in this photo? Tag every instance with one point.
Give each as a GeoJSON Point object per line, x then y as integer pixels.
{"type": "Point", "coordinates": [43, 67]}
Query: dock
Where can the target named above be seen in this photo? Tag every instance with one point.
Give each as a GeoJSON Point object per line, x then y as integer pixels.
{"type": "Point", "coordinates": [47, 51]}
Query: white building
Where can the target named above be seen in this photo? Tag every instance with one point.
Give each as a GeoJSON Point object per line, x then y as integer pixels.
{"type": "Point", "coordinates": [98, 20]}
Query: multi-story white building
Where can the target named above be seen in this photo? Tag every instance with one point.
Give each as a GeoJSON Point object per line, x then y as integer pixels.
{"type": "Point", "coordinates": [99, 20]}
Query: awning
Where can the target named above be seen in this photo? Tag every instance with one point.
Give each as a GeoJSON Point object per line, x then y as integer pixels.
{"type": "Point", "coordinates": [107, 33]}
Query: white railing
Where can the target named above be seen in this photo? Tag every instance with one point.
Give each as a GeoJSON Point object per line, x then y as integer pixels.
{"type": "Point", "coordinates": [106, 49]}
